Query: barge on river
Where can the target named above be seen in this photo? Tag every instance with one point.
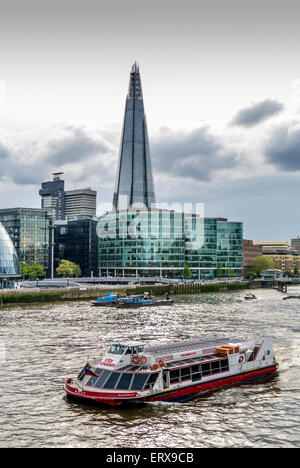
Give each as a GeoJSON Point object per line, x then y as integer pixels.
{"type": "Point", "coordinates": [132, 372]}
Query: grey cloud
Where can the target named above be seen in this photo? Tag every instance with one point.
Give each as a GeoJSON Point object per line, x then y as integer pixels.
{"type": "Point", "coordinates": [197, 154]}
{"type": "Point", "coordinates": [282, 148]}
{"type": "Point", "coordinates": [75, 144]}
{"type": "Point", "coordinates": [74, 150]}
{"type": "Point", "coordinates": [257, 113]}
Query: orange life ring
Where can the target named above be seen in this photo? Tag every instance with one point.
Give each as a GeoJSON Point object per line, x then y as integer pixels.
{"type": "Point", "coordinates": [143, 360]}
{"type": "Point", "coordinates": [241, 359]}
{"type": "Point", "coordinates": [136, 359]}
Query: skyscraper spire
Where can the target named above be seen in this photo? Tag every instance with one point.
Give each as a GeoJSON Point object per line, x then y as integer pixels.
{"type": "Point", "coordinates": [134, 182]}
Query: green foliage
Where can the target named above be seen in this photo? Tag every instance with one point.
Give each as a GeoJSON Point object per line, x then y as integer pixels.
{"type": "Point", "coordinates": [77, 271]}
{"type": "Point", "coordinates": [250, 274]}
{"type": "Point", "coordinates": [219, 271]}
{"type": "Point", "coordinates": [187, 271]}
{"type": "Point", "coordinates": [68, 269]}
{"type": "Point", "coordinates": [32, 271]}
{"type": "Point", "coordinates": [230, 273]}
{"type": "Point", "coordinates": [262, 263]}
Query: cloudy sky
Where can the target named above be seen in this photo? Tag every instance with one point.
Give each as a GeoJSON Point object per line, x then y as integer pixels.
{"type": "Point", "coordinates": [221, 83]}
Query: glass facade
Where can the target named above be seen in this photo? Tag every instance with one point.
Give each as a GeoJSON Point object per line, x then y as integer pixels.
{"type": "Point", "coordinates": [28, 229]}
{"type": "Point", "coordinates": [134, 182]}
{"type": "Point", "coordinates": [139, 242]}
{"type": "Point", "coordinates": [77, 241]}
{"type": "Point", "coordinates": [9, 265]}
{"type": "Point", "coordinates": [161, 242]}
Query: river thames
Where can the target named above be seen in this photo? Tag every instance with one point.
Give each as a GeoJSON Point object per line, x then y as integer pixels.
{"type": "Point", "coordinates": [42, 345]}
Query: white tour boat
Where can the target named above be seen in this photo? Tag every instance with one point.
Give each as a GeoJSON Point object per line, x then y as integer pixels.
{"type": "Point", "coordinates": [175, 371]}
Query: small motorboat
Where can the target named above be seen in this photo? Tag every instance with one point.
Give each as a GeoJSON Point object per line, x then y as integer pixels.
{"type": "Point", "coordinates": [291, 296]}
{"type": "Point", "coordinates": [250, 296]}
{"type": "Point", "coordinates": [108, 301]}
{"type": "Point", "coordinates": [144, 300]}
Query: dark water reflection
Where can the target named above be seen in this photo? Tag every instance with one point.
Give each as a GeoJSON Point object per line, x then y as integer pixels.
{"type": "Point", "coordinates": [45, 344]}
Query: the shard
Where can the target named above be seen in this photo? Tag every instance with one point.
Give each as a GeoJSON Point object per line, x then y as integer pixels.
{"type": "Point", "coordinates": [134, 182]}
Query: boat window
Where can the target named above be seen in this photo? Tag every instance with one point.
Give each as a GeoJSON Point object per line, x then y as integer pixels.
{"type": "Point", "coordinates": [215, 367]}
{"type": "Point", "coordinates": [151, 381]}
{"type": "Point", "coordinates": [139, 381]}
{"type": "Point", "coordinates": [206, 369]}
{"type": "Point", "coordinates": [117, 349]}
{"type": "Point", "coordinates": [185, 373]}
{"type": "Point", "coordinates": [174, 376]}
{"type": "Point", "coordinates": [124, 382]}
{"type": "Point", "coordinates": [224, 365]}
{"type": "Point", "coordinates": [102, 378]}
{"type": "Point", "coordinates": [93, 380]}
{"type": "Point", "coordinates": [111, 382]}
{"type": "Point", "coordinates": [196, 376]}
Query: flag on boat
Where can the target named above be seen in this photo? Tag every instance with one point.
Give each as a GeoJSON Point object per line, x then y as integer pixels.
{"type": "Point", "coordinates": [88, 371]}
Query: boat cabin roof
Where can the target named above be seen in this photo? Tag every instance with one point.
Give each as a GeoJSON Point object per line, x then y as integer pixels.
{"type": "Point", "coordinates": [195, 343]}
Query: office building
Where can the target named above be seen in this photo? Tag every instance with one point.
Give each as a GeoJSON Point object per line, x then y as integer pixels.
{"type": "Point", "coordinates": [29, 231]}
{"type": "Point", "coordinates": [67, 204]}
{"type": "Point", "coordinates": [250, 252]}
{"type": "Point", "coordinates": [160, 243]}
{"type": "Point", "coordinates": [80, 203]}
{"type": "Point", "coordinates": [295, 245]}
{"type": "Point", "coordinates": [77, 241]}
{"type": "Point", "coordinates": [53, 196]}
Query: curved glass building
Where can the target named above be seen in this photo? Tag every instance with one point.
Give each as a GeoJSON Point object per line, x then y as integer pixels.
{"type": "Point", "coordinates": [9, 265]}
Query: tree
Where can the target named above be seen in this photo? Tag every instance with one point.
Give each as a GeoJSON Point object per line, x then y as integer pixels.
{"type": "Point", "coordinates": [219, 271]}
{"type": "Point", "coordinates": [250, 274]}
{"type": "Point", "coordinates": [24, 270]}
{"type": "Point", "coordinates": [76, 271]}
{"type": "Point", "coordinates": [36, 271]}
{"type": "Point", "coordinates": [65, 269]}
{"type": "Point", "coordinates": [32, 271]}
{"type": "Point", "coordinates": [230, 273]}
{"type": "Point", "coordinates": [262, 263]}
{"type": "Point", "coordinates": [187, 271]}
{"type": "Point", "coordinates": [68, 268]}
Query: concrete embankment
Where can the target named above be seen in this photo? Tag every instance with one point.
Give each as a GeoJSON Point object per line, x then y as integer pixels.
{"type": "Point", "coordinates": [63, 295]}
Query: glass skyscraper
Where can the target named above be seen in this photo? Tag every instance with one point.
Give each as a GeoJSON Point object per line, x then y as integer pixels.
{"type": "Point", "coordinates": [137, 238]}
{"type": "Point", "coordinates": [134, 181]}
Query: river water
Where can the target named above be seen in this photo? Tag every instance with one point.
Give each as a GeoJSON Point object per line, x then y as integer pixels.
{"type": "Point", "coordinates": [42, 345]}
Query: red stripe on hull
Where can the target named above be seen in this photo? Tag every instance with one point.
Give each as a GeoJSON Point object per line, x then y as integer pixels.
{"type": "Point", "coordinates": [214, 384]}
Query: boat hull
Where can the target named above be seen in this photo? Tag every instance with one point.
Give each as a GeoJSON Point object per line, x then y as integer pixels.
{"type": "Point", "coordinates": [103, 304]}
{"type": "Point", "coordinates": [169, 395]}
{"type": "Point", "coordinates": [136, 305]}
